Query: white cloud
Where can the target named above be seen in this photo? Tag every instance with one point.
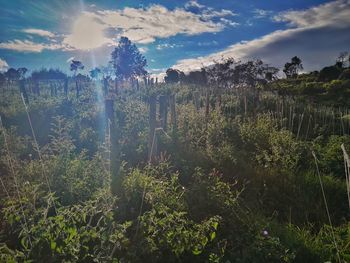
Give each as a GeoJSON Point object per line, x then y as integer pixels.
{"type": "Point", "coordinates": [143, 25]}
{"type": "Point", "coordinates": [336, 13]}
{"type": "Point", "coordinates": [70, 59]}
{"type": "Point", "coordinates": [29, 46]}
{"type": "Point", "coordinates": [261, 13]}
{"type": "Point", "coordinates": [39, 32]}
{"type": "Point", "coordinates": [3, 65]}
{"type": "Point", "coordinates": [229, 22]}
{"type": "Point", "coordinates": [321, 33]}
{"type": "Point", "coordinates": [143, 50]}
{"type": "Point", "coordinates": [156, 21]}
{"type": "Point", "coordinates": [102, 28]}
{"type": "Point", "coordinates": [167, 45]}
{"type": "Point", "coordinates": [194, 4]}
{"type": "Point", "coordinates": [210, 13]}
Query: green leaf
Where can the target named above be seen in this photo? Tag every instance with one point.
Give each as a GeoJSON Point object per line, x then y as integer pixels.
{"type": "Point", "coordinates": [212, 236]}
{"type": "Point", "coordinates": [24, 242]}
{"type": "Point", "coordinates": [53, 245]}
{"type": "Point", "coordinates": [196, 251]}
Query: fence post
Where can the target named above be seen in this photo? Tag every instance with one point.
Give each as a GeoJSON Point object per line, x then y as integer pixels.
{"type": "Point", "coordinates": [163, 111]}
{"type": "Point", "coordinates": [152, 138]}
{"type": "Point", "coordinates": [173, 112]}
{"type": "Point", "coordinates": [115, 150]}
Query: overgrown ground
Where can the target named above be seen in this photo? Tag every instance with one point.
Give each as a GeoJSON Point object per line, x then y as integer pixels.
{"type": "Point", "coordinates": [238, 184]}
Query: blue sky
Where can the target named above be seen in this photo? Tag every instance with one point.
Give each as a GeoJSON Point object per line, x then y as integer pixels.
{"type": "Point", "coordinates": [181, 34]}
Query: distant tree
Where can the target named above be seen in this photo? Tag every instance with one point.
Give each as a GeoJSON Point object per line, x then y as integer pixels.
{"type": "Point", "coordinates": [291, 69]}
{"type": "Point", "coordinates": [345, 75]}
{"type": "Point", "coordinates": [341, 60]}
{"type": "Point", "coordinates": [172, 75]}
{"type": "Point", "coordinates": [47, 75]}
{"type": "Point", "coordinates": [75, 66]}
{"type": "Point", "coordinates": [329, 73]}
{"type": "Point", "coordinates": [197, 77]}
{"type": "Point", "coordinates": [2, 81]}
{"type": "Point", "coordinates": [22, 72]}
{"type": "Point", "coordinates": [12, 74]}
{"type": "Point", "coordinates": [2, 78]}
{"type": "Point", "coordinates": [128, 63]}
{"type": "Point", "coordinates": [94, 73]}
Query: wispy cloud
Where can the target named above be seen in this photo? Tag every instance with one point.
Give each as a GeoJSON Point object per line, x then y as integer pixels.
{"type": "Point", "coordinates": [167, 45]}
{"type": "Point", "coordinates": [319, 34]}
{"type": "Point", "coordinates": [336, 13]}
{"type": "Point", "coordinates": [144, 25]}
{"type": "Point", "coordinates": [3, 65]}
{"type": "Point", "coordinates": [262, 13]}
{"type": "Point", "coordinates": [29, 46]}
{"type": "Point", "coordinates": [39, 32]}
{"type": "Point", "coordinates": [143, 50]}
{"type": "Point", "coordinates": [193, 4]}
{"type": "Point", "coordinates": [100, 28]}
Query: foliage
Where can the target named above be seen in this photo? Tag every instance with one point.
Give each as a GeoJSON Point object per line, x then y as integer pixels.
{"type": "Point", "coordinates": [230, 185]}
{"type": "Point", "coordinates": [127, 60]}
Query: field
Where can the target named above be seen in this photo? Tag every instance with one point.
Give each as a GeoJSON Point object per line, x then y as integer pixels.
{"type": "Point", "coordinates": [175, 172]}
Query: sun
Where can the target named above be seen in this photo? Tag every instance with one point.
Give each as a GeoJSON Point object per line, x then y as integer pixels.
{"type": "Point", "coordinates": [87, 33]}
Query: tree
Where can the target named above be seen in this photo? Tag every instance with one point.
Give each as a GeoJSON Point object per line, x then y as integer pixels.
{"type": "Point", "coordinates": [345, 75]}
{"type": "Point", "coordinates": [75, 66]}
{"type": "Point", "coordinates": [172, 75]}
{"type": "Point", "coordinates": [2, 78]}
{"type": "Point", "coordinates": [291, 69]}
{"type": "Point", "coordinates": [329, 73]}
{"type": "Point", "coordinates": [12, 74]}
{"type": "Point", "coordinates": [94, 73]}
{"type": "Point", "coordinates": [22, 72]}
{"type": "Point", "coordinates": [128, 63]}
{"type": "Point", "coordinates": [341, 60]}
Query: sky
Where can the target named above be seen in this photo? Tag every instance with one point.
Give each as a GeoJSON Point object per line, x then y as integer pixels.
{"type": "Point", "coordinates": [186, 35]}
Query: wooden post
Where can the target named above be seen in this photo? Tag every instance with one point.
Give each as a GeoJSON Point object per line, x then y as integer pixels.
{"type": "Point", "coordinates": [207, 101]}
{"type": "Point", "coordinates": [114, 144]}
{"type": "Point", "coordinates": [163, 111]}
{"type": "Point", "coordinates": [37, 87]}
{"type": "Point", "coordinates": [105, 86]}
{"type": "Point", "coordinates": [152, 138]}
{"type": "Point", "coordinates": [77, 88]}
{"type": "Point", "coordinates": [51, 88]}
{"type": "Point", "coordinates": [196, 100]}
{"type": "Point", "coordinates": [116, 86]}
{"type": "Point", "coordinates": [65, 87]}
{"type": "Point", "coordinates": [22, 89]}
{"type": "Point", "coordinates": [173, 112]}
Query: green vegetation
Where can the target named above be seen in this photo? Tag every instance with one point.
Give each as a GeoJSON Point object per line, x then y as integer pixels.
{"type": "Point", "coordinates": [180, 171]}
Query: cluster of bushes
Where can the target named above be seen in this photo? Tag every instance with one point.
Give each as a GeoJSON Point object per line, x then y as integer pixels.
{"type": "Point", "coordinates": [331, 85]}
{"type": "Point", "coordinates": [224, 189]}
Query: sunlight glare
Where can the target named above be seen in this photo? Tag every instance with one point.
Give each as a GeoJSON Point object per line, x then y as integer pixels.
{"type": "Point", "coordinates": [87, 33]}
